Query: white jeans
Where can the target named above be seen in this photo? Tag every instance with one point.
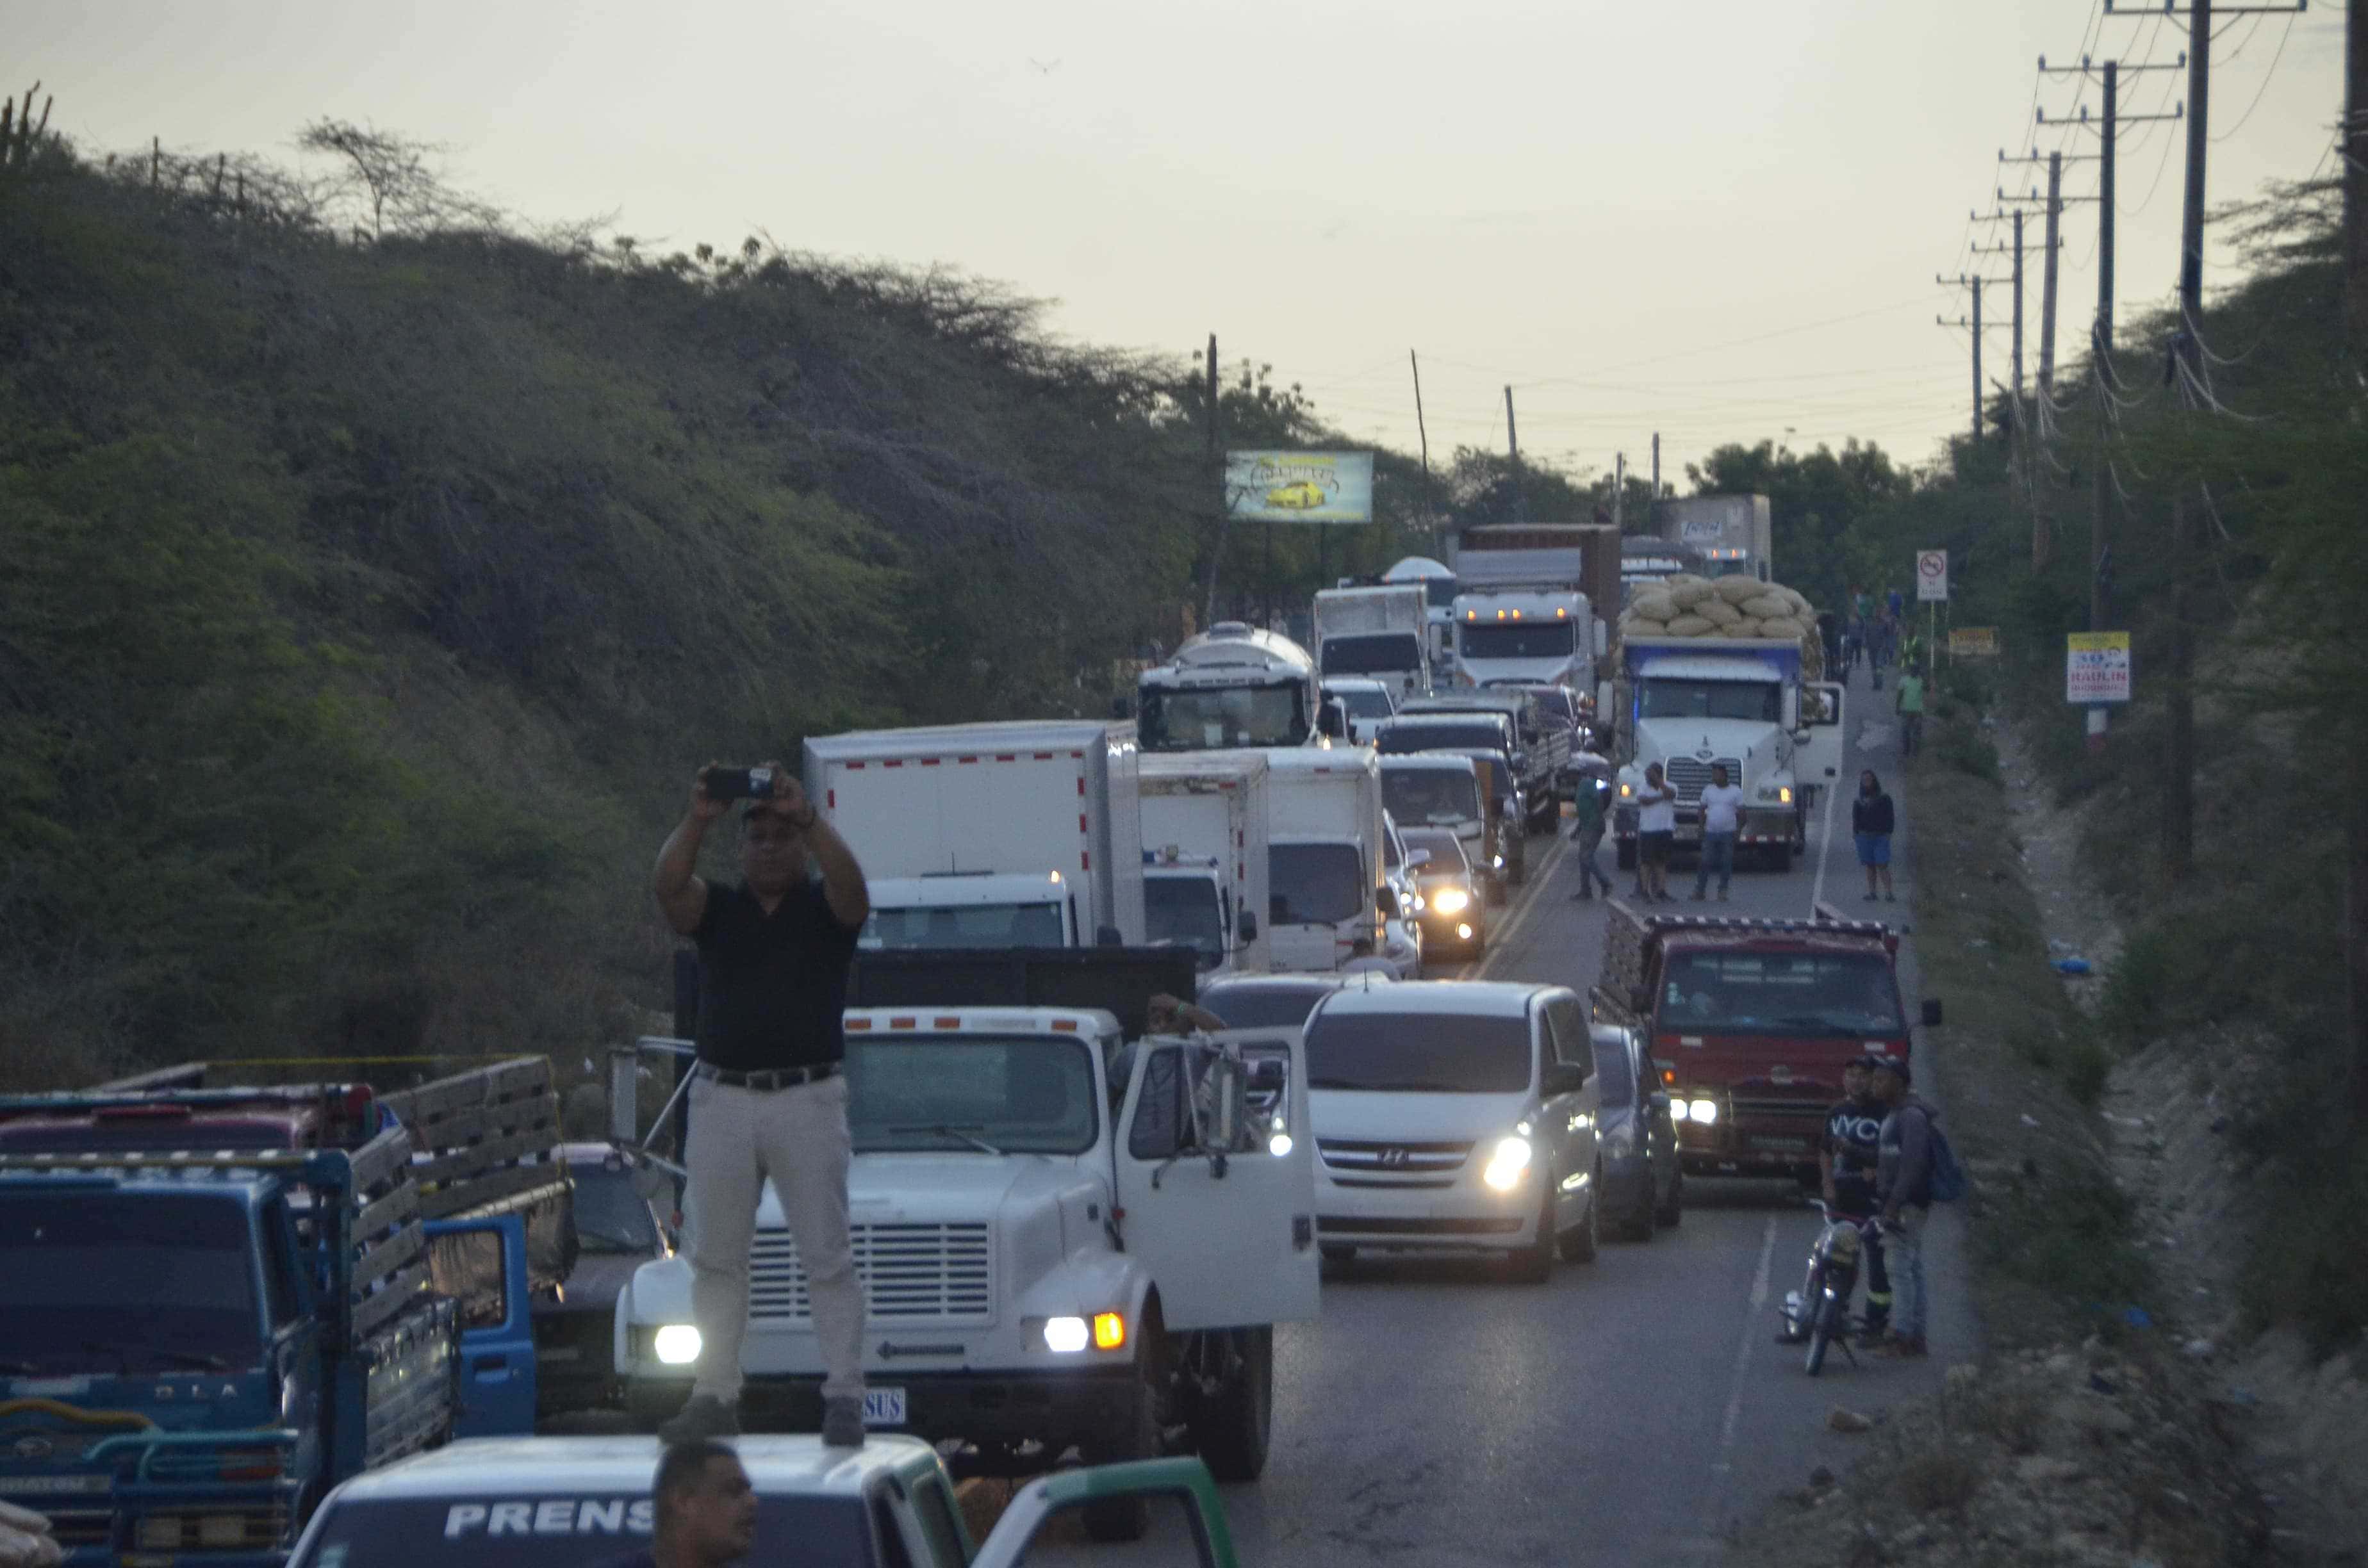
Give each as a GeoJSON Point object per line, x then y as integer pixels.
{"type": "Point", "coordinates": [798, 1137]}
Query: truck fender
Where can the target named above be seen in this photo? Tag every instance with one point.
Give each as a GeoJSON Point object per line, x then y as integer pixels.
{"type": "Point", "coordinates": [1086, 1283]}
{"type": "Point", "coordinates": [659, 1292]}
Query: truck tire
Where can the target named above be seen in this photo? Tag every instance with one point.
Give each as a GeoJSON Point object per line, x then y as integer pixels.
{"type": "Point", "coordinates": [1126, 1518]}
{"type": "Point", "coordinates": [1231, 1428]}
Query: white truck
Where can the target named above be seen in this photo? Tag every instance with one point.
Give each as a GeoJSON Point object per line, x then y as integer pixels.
{"type": "Point", "coordinates": [1204, 857]}
{"type": "Point", "coordinates": [1381, 632]}
{"type": "Point", "coordinates": [1731, 534]}
{"type": "Point", "coordinates": [1065, 1241]}
{"type": "Point", "coordinates": [1437, 581]}
{"type": "Point", "coordinates": [1696, 702]}
{"type": "Point", "coordinates": [1231, 687]}
{"type": "Point", "coordinates": [1325, 828]}
{"type": "Point", "coordinates": [989, 835]}
{"type": "Point", "coordinates": [1521, 612]}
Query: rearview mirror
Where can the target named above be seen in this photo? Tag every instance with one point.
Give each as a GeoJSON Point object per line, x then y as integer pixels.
{"type": "Point", "coordinates": [1417, 857]}
{"type": "Point", "coordinates": [1387, 898]}
{"type": "Point", "coordinates": [1248, 926]}
{"type": "Point", "coordinates": [1659, 1100]}
{"type": "Point", "coordinates": [1931, 1012]}
{"type": "Point", "coordinates": [1562, 1078]}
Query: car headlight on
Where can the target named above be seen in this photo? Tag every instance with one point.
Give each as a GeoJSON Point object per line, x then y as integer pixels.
{"type": "Point", "coordinates": [1462, 933]}
{"type": "Point", "coordinates": [1497, 862]}
{"type": "Point", "coordinates": [676, 1344]}
{"type": "Point", "coordinates": [1451, 901]}
{"type": "Point", "coordinates": [1679, 1111]}
{"type": "Point", "coordinates": [1703, 1112]}
{"type": "Point", "coordinates": [1506, 1164]}
{"type": "Point", "coordinates": [1278, 1145]}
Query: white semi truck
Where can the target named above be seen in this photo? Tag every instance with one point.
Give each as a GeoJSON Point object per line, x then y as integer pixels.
{"type": "Point", "coordinates": [1522, 613]}
{"type": "Point", "coordinates": [989, 835]}
{"type": "Point", "coordinates": [1697, 702]}
{"type": "Point", "coordinates": [1437, 581]}
{"type": "Point", "coordinates": [1730, 534]}
{"type": "Point", "coordinates": [1381, 632]}
{"type": "Point", "coordinates": [1325, 859]}
{"type": "Point", "coordinates": [1231, 687]}
{"type": "Point", "coordinates": [1204, 856]}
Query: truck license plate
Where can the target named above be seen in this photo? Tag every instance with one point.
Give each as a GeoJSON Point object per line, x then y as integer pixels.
{"type": "Point", "coordinates": [1786, 1145]}
{"type": "Point", "coordinates": [883, 1407]}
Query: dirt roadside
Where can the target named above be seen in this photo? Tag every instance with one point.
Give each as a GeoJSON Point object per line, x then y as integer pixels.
{"type": "Point", "coordinates": [2086, 1434]}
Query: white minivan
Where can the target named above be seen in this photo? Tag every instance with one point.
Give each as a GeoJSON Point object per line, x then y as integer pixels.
{"type": "Point", "coordinates": [1455, 1116]}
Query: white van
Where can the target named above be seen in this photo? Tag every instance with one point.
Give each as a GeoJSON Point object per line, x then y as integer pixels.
{"type": "Point", "coordinates": [1457, 1117]}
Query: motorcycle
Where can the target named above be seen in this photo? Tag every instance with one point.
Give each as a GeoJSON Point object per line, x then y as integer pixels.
{"type": "Point", "coordinates": [1818, 1313]}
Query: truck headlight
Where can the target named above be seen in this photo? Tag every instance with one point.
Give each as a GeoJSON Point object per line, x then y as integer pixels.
{"type": "Point", "coordinates": [1278, 1145]}
{"type": "Point", "coordinates": [1064, 1336]}
{"type": "Point", "coordinates": [676, 1344]}
{"type": "Point", "coordinates": [1703, 1112]}
{"type": "Point", "coordinates": [1506, 1165]}
{"type": "Point", "coordinates": [1451, 901]}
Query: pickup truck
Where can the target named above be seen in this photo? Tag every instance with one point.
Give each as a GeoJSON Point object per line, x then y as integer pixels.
{"type": "Point", "coordinates": [1541, 745]}
{"type": "Point", "coordinates": [570, 1502]}
{"type": "Point", "coordinates": [220, 1303]}
{"type": "Point", "coordinates": [1068, 1237]}
{"type": "Point", "coordinates": [1749, 1022]}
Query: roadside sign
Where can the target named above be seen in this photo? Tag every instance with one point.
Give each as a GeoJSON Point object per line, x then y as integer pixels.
{"type": "Point", "coordinates": [1932, 574]}
{"type": "Point", "coordinates": [1300, 487]}
{"type": "Point", "coordinates": [1972, 642]}
{"type": "Point", "coordinates": [2096, 667]}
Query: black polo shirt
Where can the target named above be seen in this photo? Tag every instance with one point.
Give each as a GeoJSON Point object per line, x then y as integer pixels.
{"type": "Point", "coordinates": [771, 986]}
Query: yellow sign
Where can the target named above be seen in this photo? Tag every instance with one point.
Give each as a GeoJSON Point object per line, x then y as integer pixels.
{"type": "Point", "coordinates": [1972, 642]}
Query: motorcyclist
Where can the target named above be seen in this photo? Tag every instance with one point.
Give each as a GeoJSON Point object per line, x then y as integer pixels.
{"type": "Point", "coordinates": [1848, 1149]}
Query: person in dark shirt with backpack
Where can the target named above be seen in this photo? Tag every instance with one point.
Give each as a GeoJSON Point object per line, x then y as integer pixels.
{"type": "Point", "coordinates": [1848, 1150]}
{"type": "Point", "coordinates": [1903, 1185]}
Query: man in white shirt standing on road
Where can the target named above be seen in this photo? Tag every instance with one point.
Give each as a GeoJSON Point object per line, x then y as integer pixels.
{"type": "Point", "coordinates": [1722, 805]}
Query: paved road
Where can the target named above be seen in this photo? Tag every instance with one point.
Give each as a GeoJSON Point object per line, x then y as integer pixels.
{"type": "Point", "coordinates": [1625, 1412]}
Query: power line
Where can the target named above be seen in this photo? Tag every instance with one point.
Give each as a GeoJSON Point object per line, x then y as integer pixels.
{"type": "Point", "coordinates": [2266, 79]}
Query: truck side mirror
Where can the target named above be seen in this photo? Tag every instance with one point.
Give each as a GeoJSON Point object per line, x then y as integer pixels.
{"type": "Point", "coordinates": [1332, 720]}
{"type": "Point", "coordinates": [1248, 927]}
{"type": "Point", "coordinates": [1562, 1078]}
{"type": "Point", "coordinates": [1388, 899]}
{"type": "Point", "coordinates": [1417, 857]}
{"type": "Point", "coordinates": [1931, 1012]}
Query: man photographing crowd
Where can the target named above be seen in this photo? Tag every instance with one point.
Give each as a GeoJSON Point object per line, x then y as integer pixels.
{"type": "Point", "coordinates": [767, 1095]}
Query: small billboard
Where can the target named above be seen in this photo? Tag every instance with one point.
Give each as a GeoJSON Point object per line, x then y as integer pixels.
{"type": "Point", "coordinates": [2096, 667]}
{"type": "Point", "coordinates": [1300, 487]}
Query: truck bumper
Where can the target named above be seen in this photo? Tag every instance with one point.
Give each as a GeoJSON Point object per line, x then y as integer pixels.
{"type": "Point", "coordinates": [1087, 1409]}
{"type": "Point", "coordinates": [1749, 1149]}
{"type": "Point", "coordinates": [1770, 826]}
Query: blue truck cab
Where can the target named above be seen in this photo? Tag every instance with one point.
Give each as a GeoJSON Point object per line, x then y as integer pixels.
{"type": "Point", "coordinates": [202, 1344]}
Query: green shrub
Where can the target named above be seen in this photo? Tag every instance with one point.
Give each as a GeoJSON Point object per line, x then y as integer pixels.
{"type": "Point", "coordinates": [1962, 746]}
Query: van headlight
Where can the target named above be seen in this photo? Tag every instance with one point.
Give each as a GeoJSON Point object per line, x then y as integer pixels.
{"type": "Point", "coordinates": [1451, 901]}
{"type": "Point", "coordinates": [676, 1344]}
{"type": "Point", "coordinates": [1703, 1112]}
{"type": "Point", "coordinates": [1507, 1162]}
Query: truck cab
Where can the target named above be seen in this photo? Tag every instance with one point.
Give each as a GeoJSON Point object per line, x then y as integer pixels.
{"type": "Point", "coordinates": [1525, 635]}
{"type": "Point", "coordinates": [1749, 1023]}
{"type": "Point", "coordinates": [974, 909]}
{"type": "Point", "coordinates": [1487, 738]}
{"type": "Point", "coordinates": [1231, 687]}
{"type": "Point", "coordinates": [1188, 901]}
{"type": "Point", "coordinates": [1065, 1241]}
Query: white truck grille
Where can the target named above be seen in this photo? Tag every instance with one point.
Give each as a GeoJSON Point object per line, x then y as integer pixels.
{"type": "Point", "coordinates": [1688, 776]}
{"type": "Point", "coordinates": [911, 1274]}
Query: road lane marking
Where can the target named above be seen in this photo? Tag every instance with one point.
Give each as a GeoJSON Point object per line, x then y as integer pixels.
{"type": "Point", "coordinates": [1539, 881]}
{"type": "Point", "coordinates": [1751, 1330]}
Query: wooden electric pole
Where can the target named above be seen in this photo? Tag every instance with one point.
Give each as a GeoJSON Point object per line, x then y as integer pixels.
{"type": "Point", "coordinates": [2353, 147]}
{"type": "Point", "coordinates": [1217, 483]}
{"type": "Point", "coordinates": [1513, 445]}
{"type": "Point", "coordinates": [2179, 786]}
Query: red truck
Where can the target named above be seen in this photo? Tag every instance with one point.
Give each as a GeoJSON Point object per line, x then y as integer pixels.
{"type": "Point", "coordinates": [1751, 1022]}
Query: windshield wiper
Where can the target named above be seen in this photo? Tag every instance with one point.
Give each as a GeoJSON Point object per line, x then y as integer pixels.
{"type": "Point", "coordinates": [950, 1129]}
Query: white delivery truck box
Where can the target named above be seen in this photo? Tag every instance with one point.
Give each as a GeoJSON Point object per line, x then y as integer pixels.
{"type": "Point", "coordinates": [1379, 632]}
{"type": "Point", "coordinates": [1024, 833]}
{"type": "Point", "coordinates": [1204, 827]}
{"type": "Point", "coordinates": [1324, 827]}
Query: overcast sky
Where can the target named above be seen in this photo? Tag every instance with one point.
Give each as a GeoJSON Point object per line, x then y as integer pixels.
{"type": "Point", "coordinates": [1716, 219]}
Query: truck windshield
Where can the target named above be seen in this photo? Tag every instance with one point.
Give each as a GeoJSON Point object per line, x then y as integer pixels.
{"type": "Point", "coordinates": [1363, 702]}
{"type": "Point", "coordinates": [968, 925]}
{"type": "Point", "coordinates": [1011, 1093]}
{"type": "Point", "coordinates": [1760, 702]}
{"type": "Point", "coordinates": [1316, 884]}
{"type": "Point", "coordinates": [1223, 717]}
{"type": "Point", "coordinates": [1184, 911]}
{"type": "Point", "coordinates": [1528, 640]}
{"type": "Point", "coordinates": [1397, 739]}
{"type": "Point", "coordinates": [1371, 653]}
{"type": "Point", "coordinates": [1427, 795]}
{"type": "Point", "coordinates": [611, 1215]}
{"type": "Point", "coordinates": [1849, 994]}
{"type": "Point", "coordinates": [1420, 1052]}
{"type": "Point", "coordinates": [127, 1282]}
{"type": "Point", "coordinates": [537, 1527]}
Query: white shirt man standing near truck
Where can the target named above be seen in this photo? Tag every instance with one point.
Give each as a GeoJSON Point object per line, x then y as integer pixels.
{"type": "Point", "coordinates": [767, 1098]}
{"type": "Point", "coordinates": [1722, 808]}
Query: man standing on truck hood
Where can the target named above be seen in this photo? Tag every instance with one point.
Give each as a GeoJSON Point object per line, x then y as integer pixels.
{"type": "Point", "coordinates": [767, 1095]}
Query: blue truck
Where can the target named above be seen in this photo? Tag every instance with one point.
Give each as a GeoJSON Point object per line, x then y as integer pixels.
{"type": "Point", "coordinates": [221, 1302]}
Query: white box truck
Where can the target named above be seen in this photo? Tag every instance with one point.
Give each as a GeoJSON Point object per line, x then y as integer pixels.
{"type": "Point", "coordinates": [1204, 856]}
{"type": "Point", "coordinates": [1014, 834]}
{"type": "Point", "coordinates": [1381, 632]}
{"type": "Point", "coordinates": [1324, 825]}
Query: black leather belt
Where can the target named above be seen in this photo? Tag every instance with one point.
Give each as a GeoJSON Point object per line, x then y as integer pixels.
{"type": "Point", "coordinates": [770, 1078]}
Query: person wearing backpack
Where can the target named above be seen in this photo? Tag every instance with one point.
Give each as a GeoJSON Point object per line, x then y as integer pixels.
{"type": "Point", "coordinates": [1904, 1187]}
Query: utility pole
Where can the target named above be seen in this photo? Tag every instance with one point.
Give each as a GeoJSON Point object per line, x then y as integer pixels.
{"type": "Point", "coordinates": [1619, 492]}
{"type": "Point", "coordinates": [2178, 796]}
{"type": "Point", "coordinates": [2353, 145]}
{"type": "Point", "coordinates": [1960, 281]}
{"type": "Point", "coordinates": [1513, 445]}
{"type": "Point", "coordinates": [1657, 470]}
{"type": "Point", "coordinates": [1224, 502]}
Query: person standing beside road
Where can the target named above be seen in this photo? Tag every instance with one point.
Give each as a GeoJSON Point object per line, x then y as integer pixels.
{"type": "Point", "coordinates": [1657, 828]}
{"type": "Point", "coordinates": [706, 1510]}
{"type": "Point", "coordinates": [1910, 705]}
{"type": "Point", "coordinates": [767, 1095]}
{"type": "Point", "coordinates": [1849, 1153]}
{"type": "Point", "coordinates": [1871, 823]}
{"type": "Point", "coordinates": [1722, 805]}
{"type": "Point", "coordinates": [1904, 1190]}
{"type": "Point", "coordinates": [1587, 834]}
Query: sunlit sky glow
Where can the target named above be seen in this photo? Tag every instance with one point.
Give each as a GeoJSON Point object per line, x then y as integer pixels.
{"type": "Point", "coordinates": [1719, 220]}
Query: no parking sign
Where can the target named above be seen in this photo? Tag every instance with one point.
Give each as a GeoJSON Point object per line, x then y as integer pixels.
{"type": "Point", "coordinates": [1932, 574]}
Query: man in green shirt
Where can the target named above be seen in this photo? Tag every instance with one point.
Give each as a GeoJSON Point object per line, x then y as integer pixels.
{"type": "Point", "coordinates": [1910, 706]}
{"type": "Point", "coordinates": [1586, 805]}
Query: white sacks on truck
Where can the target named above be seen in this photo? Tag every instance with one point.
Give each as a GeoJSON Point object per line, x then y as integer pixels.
{"type": "Point", "coordinates": [1687, 605]}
